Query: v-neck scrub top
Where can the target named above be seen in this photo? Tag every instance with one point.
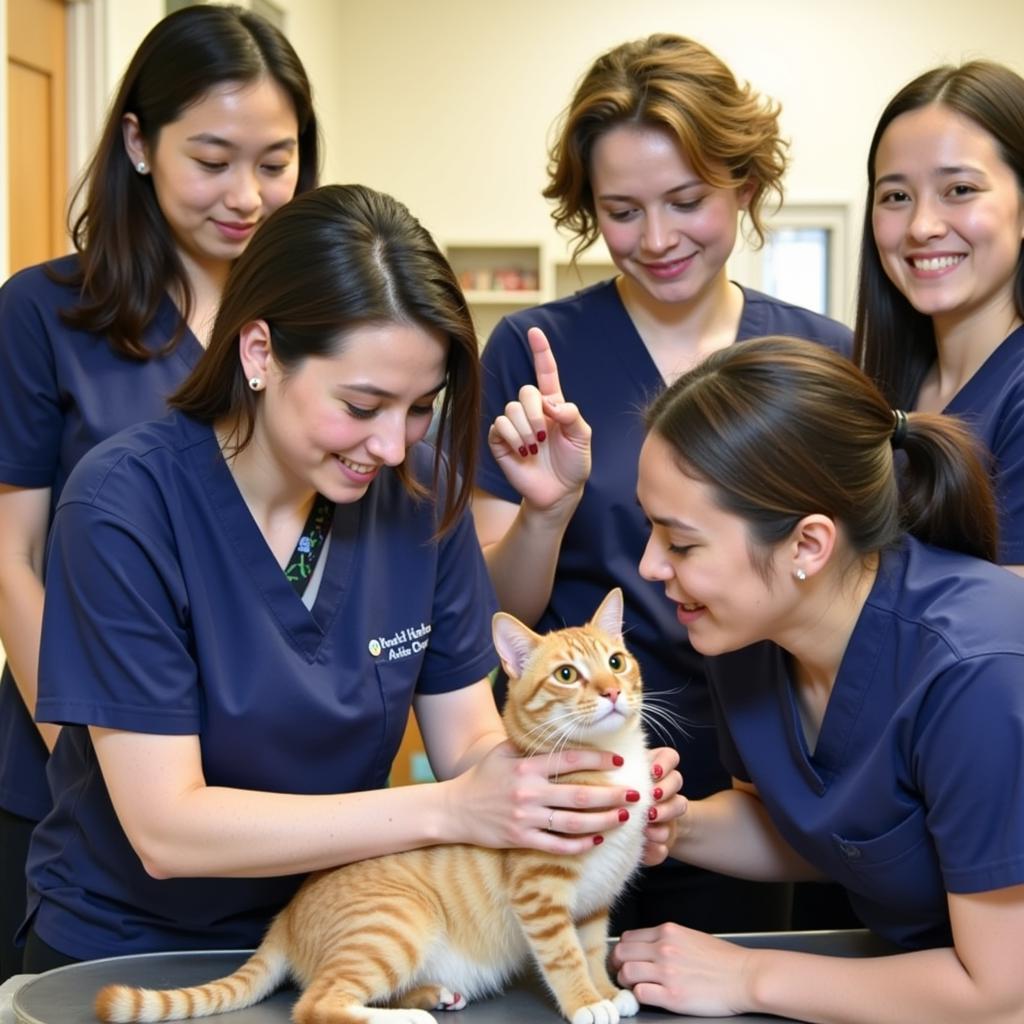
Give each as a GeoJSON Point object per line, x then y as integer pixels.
{"type": "Point", "coordinates": [605, 368]}
{"type": "Point", "coordinates": [167, 613]}
{"type": "Point", "coordinates": [61, 392]}
{"type": "Point", "coordinates": [913, 788]}
{"type": "Point", "coordinates": [992, 404]}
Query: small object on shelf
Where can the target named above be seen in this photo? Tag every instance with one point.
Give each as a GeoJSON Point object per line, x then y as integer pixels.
{"type": "Point", "coordinates": [500, 279]}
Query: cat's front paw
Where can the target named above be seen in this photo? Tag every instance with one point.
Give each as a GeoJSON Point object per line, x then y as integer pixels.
{"type": "Point", "coordinates": [625, 1002]}
{"type": "Point", "coordinates": [604, 1012]}
{"type": "Point", "coordinates": [448, 1000]}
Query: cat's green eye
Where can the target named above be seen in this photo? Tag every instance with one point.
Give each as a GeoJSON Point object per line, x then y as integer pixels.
{"type": "Point", "coordinates": [566, 674]}
{"type": "Point", "coordinates": [617, 662]}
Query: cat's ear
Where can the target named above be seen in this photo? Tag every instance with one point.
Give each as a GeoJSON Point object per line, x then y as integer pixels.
{"type": "Point", "coordinates": [514, 643]}
{"type": "Point", "coordinates": [608, 617]}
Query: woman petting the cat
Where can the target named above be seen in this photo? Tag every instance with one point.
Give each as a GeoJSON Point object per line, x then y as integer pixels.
{"type": "Point", "coordinates": [856, 632]}
{"type": "Point", "coordinates": [660, 153]}
{"type": "Point", "coordinates": [940, 322]}
{"type": "Point", "coordinates": [212, 129]}
{"type": "Point", "coordinates": [244, 599]}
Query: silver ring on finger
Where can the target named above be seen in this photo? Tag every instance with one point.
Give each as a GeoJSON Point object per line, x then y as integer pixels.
{"type": "Point", "coordinates": [551, 818]}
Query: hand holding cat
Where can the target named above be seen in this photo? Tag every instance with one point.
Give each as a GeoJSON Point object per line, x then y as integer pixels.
{"type": "Point", "coordinates": [508, 801]}
{"type": "Point", "coordinates": [684, 971]}
{"type": "Point", "coordinates": [542, 442]}
{"type": "Point", "coordinates": [669, 805]}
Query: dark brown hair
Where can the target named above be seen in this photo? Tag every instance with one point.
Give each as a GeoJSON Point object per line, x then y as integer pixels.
{"type": "Point", "coordinates": [680, 87]}
{"type": "Point", "coordinates": [330, 261]}
{"type": "Point", "coordinates": [782, 429]}
{"type": "Point", "coordinates": [127, 258]}
{"type": "Point", "coordinates": [893, 342]}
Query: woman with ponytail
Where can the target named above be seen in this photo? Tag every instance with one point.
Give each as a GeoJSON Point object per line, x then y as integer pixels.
{"type": "Point", "coordinates": [866, 661]}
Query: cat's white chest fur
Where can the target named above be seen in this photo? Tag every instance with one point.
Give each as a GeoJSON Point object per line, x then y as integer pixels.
{"type": "Point", "coordinates": [610, 865]}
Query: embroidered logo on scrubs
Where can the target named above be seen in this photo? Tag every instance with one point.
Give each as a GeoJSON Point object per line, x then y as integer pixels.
{"type": "Point", "coordinates": [403, 644]}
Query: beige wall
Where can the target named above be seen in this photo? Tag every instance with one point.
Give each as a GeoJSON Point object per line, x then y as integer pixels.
{"type": "Point", "coordinates": [448, 103]}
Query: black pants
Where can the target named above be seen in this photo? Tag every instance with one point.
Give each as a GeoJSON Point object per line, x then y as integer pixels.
{"type": "Point", "coordinates": [701, 899]}
{"type": "Point", "coordinates": [822, 906]}
{"type": "Point", "coordinates": [40, 957]}
{"type": "Point", "coordinates": [15, 833]}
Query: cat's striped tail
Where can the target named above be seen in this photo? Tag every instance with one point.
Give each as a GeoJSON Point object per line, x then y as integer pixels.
{"type": "Point", "coordinates": [256, 979]}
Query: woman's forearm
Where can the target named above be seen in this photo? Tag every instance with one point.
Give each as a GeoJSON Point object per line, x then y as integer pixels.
{"type": "Point", "coordinates": [522, 560]}
{"type": "Point", "coordinates": [237, 833]}
{"type": "Point", "coordinates": [730, 832]}
{"type": "Point", "coordinates": [23, 515]}
{"type": "Point", "coordinates": [930, 985]}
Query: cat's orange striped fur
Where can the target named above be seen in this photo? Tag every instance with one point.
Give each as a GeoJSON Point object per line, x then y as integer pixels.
{"type": "Point", "coordinates": [382, 941]}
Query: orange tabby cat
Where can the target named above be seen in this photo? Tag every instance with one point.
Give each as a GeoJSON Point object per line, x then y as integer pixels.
{"type": "Point", "coordinates": [435, 927]}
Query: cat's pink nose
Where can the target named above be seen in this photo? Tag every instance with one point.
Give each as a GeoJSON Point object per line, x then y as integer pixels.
{"type": "Point", "coordinates": [612, 695]}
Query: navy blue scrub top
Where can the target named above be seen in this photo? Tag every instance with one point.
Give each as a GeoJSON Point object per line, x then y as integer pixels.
{"type": "Point", "coordinates": [992, 403]}
{"type": "Point", "coordinates": [62, 391]}
{"type": "Point", "coordinates": [913, 787]}
{"type": "Point", "coordinates": [605, 368]}
{"type": "Point", "coordinates": [167, 613]}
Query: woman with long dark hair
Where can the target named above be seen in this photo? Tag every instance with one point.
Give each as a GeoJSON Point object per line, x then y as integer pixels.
{"type": "Point", "coordinates": [211, 130]}
{"type": "Point", "coordinates": [245, 598]}
{"type": "Point", "coordinates": [940, 314]}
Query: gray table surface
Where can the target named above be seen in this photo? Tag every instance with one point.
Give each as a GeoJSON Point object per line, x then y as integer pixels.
{"type": "Point", "coordinates": [65, 995]}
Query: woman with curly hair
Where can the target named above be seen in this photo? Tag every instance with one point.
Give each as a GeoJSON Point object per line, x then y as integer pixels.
{"type": "Point", "coordinates": [660, 152]}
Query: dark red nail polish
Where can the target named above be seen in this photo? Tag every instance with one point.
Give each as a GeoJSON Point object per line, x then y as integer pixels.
{"type": "Point", "coordinates": [658, 792]}
{"type": "Point", "coordinates": [618, 760]}
{"type": "Point", "coordinates": [623, 814]}
{"type": "Point", "coordinates": [652, 814]}
{"type": "Point", "coordinates": [542, 435]}
{"type": "Point", "coordinates": [632, 796]}
{"type": "Point", "coordinates": [657, 771]}
{"type": "Point", "coordinates": [598, 840]}
{"type": "Point", "coordinates": [524, 451]}
{"type": "Point", "coordinates": [534, 449]}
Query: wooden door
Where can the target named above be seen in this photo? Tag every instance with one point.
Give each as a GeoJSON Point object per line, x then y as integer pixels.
{"type": "Point", "coordinates": [37, 130]}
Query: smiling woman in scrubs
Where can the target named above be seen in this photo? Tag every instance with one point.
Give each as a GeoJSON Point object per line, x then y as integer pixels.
{"type": "Point", "coordinates": [868, 683]}
{"type": "Point", "coordinates": [211, 130]}
{"type": "Point", "coordinates": [940, 322]}
{"type": "Point", "coordinates": [245, 598]}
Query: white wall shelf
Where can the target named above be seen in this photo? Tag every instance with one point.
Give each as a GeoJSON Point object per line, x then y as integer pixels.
{"type": "Point", "coordinates": [499, 277]}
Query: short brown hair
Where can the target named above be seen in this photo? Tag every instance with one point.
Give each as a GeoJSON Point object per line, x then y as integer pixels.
{"type": "Point", "coordinates": [676, 85]}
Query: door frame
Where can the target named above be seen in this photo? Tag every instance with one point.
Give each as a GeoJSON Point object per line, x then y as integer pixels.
{"type": "Point", "coordinates": [86, 98]}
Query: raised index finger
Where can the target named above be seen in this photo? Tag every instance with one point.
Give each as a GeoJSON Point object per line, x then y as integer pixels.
{"type": "Point", "coordinates": [544, 365]}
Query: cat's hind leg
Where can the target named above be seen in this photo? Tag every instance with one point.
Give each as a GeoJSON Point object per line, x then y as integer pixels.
{"type": "Point", "coordinates": [431, 997]}
{"type": "Point", "coordinates": [330, 1003]}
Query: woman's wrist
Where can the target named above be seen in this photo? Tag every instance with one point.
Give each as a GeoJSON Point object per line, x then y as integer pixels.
{"type": "Point", "coordinates": [553, 517]}
{"type": "Point", "coordinates": [686, 829]}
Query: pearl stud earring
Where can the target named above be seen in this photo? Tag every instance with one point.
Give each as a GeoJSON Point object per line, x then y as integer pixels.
{"type": "Point", "coordinates": [256, 383]}
{"type": "Point", "coordinates": [800, 575]}
{"type": "Point", "coordinates": [142, 167]}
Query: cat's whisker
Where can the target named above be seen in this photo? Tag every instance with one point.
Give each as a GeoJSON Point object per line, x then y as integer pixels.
{"type": "Point", "coordinates": [659, 731]}
{"type": "Point", "coordinates": [666, 713]}
{"type": "Point", "coordinates": [549, 727]}
{"type": "Point", "coordinates": [662, 722]}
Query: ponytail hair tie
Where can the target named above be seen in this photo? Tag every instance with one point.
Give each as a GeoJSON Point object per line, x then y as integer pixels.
{"type": "Point", "coordinates": [899, 429]}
